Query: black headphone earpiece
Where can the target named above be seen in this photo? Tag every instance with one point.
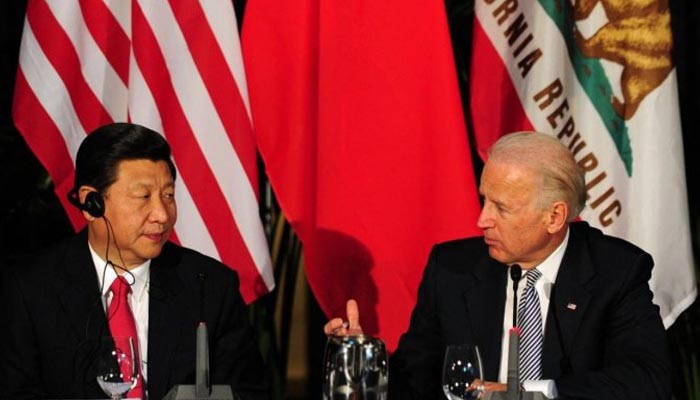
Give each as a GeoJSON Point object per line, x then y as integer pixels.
{"type": "Point", "coordinates": [94, 205]}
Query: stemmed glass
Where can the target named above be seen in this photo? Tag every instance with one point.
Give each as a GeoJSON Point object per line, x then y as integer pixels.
{"type": "Point", "coordinates": [461, 372]}
{"type": "Point", "coordinates": [117, 366]}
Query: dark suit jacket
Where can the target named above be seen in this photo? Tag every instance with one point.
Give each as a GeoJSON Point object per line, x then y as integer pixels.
{"type": "Point", "coordinates": [53, 316]}
{"type": "Point", "coordinates": [611, 346]}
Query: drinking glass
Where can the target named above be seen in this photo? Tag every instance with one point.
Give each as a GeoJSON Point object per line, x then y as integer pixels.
{"type": "Point", "coordinates": [461, 372]}
{"type": "Point", "coordinates": [355, 368]}
{"type": "Point", "coordinates": [117, 366]}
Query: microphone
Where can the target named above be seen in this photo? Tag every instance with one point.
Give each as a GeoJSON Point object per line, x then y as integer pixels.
{"type": "Point", "coordinates": [202, 389]}
{"type": "Point", "coordinates": [515, 274]}
{"type": "Point", "coordinates": [512, 382]}
{"type": "Point", "coordinates": [514, 391]}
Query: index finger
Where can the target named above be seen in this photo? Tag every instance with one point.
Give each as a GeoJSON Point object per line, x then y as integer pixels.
{"type": "Point", "coordinates": [495, 387]}
{"type": "Point", "coordinates": [353, 314]}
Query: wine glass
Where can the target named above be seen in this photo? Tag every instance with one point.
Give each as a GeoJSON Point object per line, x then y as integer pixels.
{"type": "Point", "coordinates": [461, 372]}
{"type": "Point", "coordinates": [117, 366]}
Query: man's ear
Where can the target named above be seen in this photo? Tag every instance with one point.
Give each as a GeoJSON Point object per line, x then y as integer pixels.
{"type": "Point", "coordinates": [82, 194]}
{"type": "Point", "coordinates": [558, 216]}
{"type": "Point", "coordinates": [83, 191]}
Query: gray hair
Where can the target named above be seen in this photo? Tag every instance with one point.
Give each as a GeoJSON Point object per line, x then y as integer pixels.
{"type": "Point", "coordinates": [561, 177]}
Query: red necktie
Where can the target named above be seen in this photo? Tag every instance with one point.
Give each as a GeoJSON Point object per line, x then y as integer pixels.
{"type": "Point", "coordinates": [122, 324]}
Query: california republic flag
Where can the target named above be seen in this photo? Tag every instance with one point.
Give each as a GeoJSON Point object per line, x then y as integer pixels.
{"type": "Point", "coordinates": [599, 76]}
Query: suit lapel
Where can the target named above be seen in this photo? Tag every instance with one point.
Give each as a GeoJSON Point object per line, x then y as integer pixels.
{"type": "Point", "coordinates": [484, 296]}
{"type": "Point", "coordinates": [78, 293]}
{"type": "Point", "coordinates": [569, 300]}
{"type": "Point", "coordinates": [78, 297]}
{"type": "Point", "coordinates": [164, 322]}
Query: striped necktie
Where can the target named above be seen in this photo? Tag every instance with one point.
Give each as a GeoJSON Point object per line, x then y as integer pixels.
{"type": "Point", "coordinates": [530, 322]}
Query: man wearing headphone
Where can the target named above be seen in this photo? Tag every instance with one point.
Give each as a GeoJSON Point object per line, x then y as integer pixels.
{"type": "Point", "coordinates": [58, 307]}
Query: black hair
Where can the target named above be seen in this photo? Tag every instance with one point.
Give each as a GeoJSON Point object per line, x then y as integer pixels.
{"type": "Point", "coordinates": [102, 150]}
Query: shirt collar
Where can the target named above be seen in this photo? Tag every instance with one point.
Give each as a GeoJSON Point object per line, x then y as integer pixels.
{"type": "Point", "coordinates": [550, 266]}
{"type": "Point", "coordinates": [137, 277]}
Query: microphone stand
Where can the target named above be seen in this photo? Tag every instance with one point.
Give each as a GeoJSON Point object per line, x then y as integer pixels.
{"type": "Point", "coordinates": [202, 389]}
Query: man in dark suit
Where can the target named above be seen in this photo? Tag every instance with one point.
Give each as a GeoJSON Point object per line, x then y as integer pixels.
{"type": "Point", "coordinates": [600, 336]}
{"type": "Point", "coordinates": [57, 307]}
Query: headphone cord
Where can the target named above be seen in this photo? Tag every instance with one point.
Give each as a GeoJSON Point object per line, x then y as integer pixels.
{"type": "Point", "coordinates": [111, 237]}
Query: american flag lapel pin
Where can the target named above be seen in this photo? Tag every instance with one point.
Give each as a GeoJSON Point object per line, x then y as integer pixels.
{"type": "Point", "coordinates": [571, 306]}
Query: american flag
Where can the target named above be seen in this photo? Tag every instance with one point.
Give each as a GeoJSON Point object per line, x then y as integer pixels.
{"type": "Point", "coordinates": [173, 66]}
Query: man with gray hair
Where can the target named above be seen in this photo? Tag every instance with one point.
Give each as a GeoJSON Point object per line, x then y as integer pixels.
{"type": "Point", "coordinates": [589, 329]}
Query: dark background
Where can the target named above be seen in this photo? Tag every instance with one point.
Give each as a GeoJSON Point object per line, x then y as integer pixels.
{"type": "Point", "coordinates": [31, 217]}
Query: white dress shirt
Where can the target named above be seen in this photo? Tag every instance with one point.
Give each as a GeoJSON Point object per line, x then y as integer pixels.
{"type": "Point", "coordinates": [139, 279]}
{"type": "Point", "coordinates": [549, 269]}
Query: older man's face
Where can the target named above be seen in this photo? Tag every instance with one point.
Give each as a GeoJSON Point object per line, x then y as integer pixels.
{"type": "Point", "coordinates": [515, 228]}
{"type": "Point", "coordinates": [140, 206]}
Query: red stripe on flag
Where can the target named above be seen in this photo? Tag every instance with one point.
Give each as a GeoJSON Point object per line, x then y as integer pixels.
{"type": "Point", "coordinates": [45, 140]}
{"type": "Point", "coordinates": [194, 168]}
{"type": "Point", "coordinates": [61, 53]}
{"type": "Point", "coordinates": [109, 36]}
{"type": "Point", "coordinates": [495, 105]}
{"type": "Point", "coordinates": [218, 80]}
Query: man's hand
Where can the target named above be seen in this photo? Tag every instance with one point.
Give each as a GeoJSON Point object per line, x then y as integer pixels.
{"type": "Point", "coordinates": [484, 387]}
{"type": "Point", "coordinates": [495, 387]}
{"type": "Point", "coordinates": [338, 327]}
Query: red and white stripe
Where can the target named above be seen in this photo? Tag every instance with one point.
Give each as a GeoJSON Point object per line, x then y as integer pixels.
{"type": "Point", "coordinates": [173, 66]}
